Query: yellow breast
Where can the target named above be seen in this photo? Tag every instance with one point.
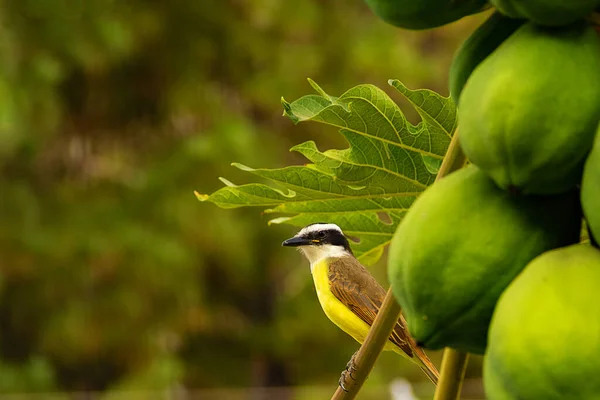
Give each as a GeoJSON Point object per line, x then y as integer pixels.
{"type": "Point", "coordinates": [335, 310]}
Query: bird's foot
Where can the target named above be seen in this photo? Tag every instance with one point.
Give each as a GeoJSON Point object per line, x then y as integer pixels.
{"type": "Point", "coordinates": [347, 374]}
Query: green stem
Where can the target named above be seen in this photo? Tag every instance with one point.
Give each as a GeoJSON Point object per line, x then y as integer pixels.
{"type": "Point", "coordinates": [454, 365]}
{"type": "Point", "coordinates": [454, 159]}
{"type": "Point", "coordinates": [390, 309]}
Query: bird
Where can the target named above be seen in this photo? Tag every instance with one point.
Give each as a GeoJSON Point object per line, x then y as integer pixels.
{"type": "Point", "coordinates": [349, 295]}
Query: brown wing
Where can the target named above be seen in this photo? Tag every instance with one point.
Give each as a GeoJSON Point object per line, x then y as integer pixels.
{"type": "Point", "coordinates": [356, 288]}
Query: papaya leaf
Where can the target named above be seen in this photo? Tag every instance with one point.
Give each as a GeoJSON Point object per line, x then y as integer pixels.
{"type": "Point", "coordinates": [366, 188]}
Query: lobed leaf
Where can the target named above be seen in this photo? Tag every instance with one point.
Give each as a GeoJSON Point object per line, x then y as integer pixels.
{"type": "Point", "coordinates": [365, 188]}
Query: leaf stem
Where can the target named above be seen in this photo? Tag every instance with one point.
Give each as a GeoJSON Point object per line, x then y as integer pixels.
{"type": "Point", "coordinates": [390, 312]}
{"type": "Point", "coordinates": [454, 365]}
{"type": "Point", "coordinates": [454, 159]}
{"type": "Point", "coordinates": [454, 362]}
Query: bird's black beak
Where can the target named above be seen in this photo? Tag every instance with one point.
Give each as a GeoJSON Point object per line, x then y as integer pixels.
{"type": "Point", "coordinates": [296, 241]}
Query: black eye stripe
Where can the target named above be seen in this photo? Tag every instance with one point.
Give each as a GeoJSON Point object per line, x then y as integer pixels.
{"type": "Point", "coordinates": [332, 236]}
{"type": "Point", "coordinates": [329, 232]}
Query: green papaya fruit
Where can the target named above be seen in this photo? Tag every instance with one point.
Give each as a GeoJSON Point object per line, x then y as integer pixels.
{"type": "Point", "coordinates": [590, 189]}
{"type": "Point", "coordinates": [547, 12]}
{"type": "Point", "coordinates": [544, 337]}
{"type": "Point", "coordinates": [486, 38]}
{"type": "Point", "coordinates": [460, 244]}
{"type": "Point", "coordinates": [423, 14]}
{"type": "Point", "coordinates": [529, 111]}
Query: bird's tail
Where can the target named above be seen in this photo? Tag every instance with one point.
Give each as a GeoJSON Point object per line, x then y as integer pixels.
{"type": "Point", "coordinates": [426, 365]}
{"type": "Point", "coordinates": [419, 357]}
{"type": "Point", "coordinates": [410, 349]}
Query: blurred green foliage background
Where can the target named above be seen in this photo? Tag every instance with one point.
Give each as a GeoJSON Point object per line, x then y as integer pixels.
{"type": "Point", "coordinates": [113, 276]}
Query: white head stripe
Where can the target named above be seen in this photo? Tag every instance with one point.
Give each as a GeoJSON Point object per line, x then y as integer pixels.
{"type": "Point", "coordinates": [318, 227]}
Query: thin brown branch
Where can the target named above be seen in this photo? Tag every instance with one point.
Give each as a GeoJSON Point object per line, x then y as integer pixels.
{"type": "Point", "coordinates": [372, 347]}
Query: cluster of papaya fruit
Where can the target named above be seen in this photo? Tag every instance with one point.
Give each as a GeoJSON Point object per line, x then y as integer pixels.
{"type": "Point", "coordinates": [489, 259]}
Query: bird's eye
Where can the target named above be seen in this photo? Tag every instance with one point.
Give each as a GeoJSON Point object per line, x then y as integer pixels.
{"type": "Point", "coordinates": [321, 234]}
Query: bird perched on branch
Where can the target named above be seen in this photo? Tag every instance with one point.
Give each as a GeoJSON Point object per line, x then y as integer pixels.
{"type": "Point", "coordinates": [348, 293]}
